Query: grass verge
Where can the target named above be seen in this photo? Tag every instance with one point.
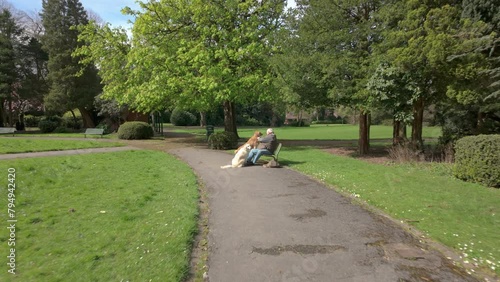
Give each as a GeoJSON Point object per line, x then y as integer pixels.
{"type": "Point", "coordinates": [461, 215]}
{"type": "Point", "coordinates": [19, 145]}
{"type": "Point", "coordinates": [122, 216]}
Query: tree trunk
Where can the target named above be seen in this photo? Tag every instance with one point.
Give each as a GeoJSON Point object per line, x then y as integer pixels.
{"type": "Point", "coordinates": [396, 130]}
{"type": "Point", "coordinates": [363, 142]}
{"type": "Point", "coordinates": [203, 119]}
{"type": "Point", "coordinates": [87, 118]}
{"type": "Point", "coordinates": [11, 115]}
{"type": "Point", "coordinates": [274, 120]}
{"type": "Point", "coordinates": [418, 118]}
{"type": "Point", "coordinates": [230, 118]}
{"type": "Point", "coordinates": [3, 115]}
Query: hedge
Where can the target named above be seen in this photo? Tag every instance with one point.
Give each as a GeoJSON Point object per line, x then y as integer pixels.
{"type": "Point", "coordinates": [477, 159]}
{"type": "Point", "coordinates": [135, 130]}
{"type": "Point", "coordinates": [222, 140]}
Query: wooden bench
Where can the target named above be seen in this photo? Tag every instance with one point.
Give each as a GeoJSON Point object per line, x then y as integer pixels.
{"type": "Point", "coordinates": [94, 131]}
{"type": "Point", "coordinates": [7, 130]}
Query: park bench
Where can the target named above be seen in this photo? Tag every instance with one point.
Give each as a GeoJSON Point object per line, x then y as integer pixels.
{"type": "Point", "coordinates": [7, 130]}
{"type": "Point", "coordinates": [94, 131]}
{"type": "Point", "coordinates": [276, 152]}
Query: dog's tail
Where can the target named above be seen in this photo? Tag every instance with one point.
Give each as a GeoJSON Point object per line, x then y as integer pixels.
{"type": "Point", "coordinates": [226, 166]}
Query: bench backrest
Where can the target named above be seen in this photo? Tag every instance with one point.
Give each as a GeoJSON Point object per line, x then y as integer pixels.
{"type": "Point", "coordinates": [277, 151]}
{"type": "Point", "coordinates": [94, 131]}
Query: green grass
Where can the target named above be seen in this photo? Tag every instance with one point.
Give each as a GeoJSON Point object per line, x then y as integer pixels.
{"type": "Point", "coordinates": [18, 145]}
{"type": "Point", "coordinates": [461, 215]}
{"type": "Point", "coordinates": [122, 216]}
{"type": "Point", "coordinates": [316, 132]}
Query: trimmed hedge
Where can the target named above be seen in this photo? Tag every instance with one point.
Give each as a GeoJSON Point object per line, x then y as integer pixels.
{"type": "Point", "coordinates": [222, 141]}
{"type": "Point", "coordinates": [135, 130]}
{"type": "Point", "coordinates": [180, 117]}
{"type": "Point", "coordinates": [477, 159]}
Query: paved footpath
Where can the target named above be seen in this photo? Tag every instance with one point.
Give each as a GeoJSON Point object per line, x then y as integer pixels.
{"type": "Point", "coordinates": [274, 224]}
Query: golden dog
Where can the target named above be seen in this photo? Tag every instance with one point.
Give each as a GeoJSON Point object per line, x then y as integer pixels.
{"type": "Point", "coordinates": [253, 141]}
{"type": "Point", "coordinates": [240, 157]}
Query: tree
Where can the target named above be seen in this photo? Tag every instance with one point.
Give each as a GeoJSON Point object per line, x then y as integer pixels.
{"type": "Point", "coordinates": [391, 90]}
{"type": "Point", "coordinates": [344, 32]}
{"type": "Point", "coordinates": [70, 87]}
{"type": "Point", "coordinates": [198, 54]}
{"type": "Point", "coordinates": [9, 37]}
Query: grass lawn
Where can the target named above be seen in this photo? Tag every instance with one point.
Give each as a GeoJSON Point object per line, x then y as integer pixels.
{"type": "Point", "coordinates": [121, 216]}
{"type": "Point", "coordinates": [18, 145]}
{"type": "Point", "coordinates": [461, 215]}
{"type": "Point", "coordinates": [316, 132]}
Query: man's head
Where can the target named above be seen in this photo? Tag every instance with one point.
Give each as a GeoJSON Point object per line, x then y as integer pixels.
{"type": "Point", "coordinates": [269, 131]}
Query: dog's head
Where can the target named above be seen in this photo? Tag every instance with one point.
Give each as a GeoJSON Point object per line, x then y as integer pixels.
{"type": "Point", "coordinates": [248, 147]}
{"type": "Point", "coordinates": [257, 134]}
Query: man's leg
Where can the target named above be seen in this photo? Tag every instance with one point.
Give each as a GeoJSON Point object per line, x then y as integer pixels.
{"type": "Point", "coordinates": [251, 155]}
{"type": "Point", "coordinates": [259, 154]}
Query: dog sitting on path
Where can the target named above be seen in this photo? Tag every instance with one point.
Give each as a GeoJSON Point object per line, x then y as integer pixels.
{"type": "Point", "coordinates": [240, 157]}
{"type": "Point", "coordinates": [253, 141]}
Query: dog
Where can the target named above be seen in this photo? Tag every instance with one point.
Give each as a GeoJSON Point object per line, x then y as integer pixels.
{"type": "Point", "coordinates": [253, 141]}
{"type": "Point", "coordinates": [240, 157]}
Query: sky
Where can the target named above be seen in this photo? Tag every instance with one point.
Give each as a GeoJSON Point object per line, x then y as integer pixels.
{"type": "Point", "coordinates": [108, 10]}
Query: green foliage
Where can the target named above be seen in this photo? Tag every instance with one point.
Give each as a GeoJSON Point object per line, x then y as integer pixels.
{"type": "Point", "coordinates": [72, 85]}
{"type": "Point", "coordinates": [31, 120]}
{"type": "Point", "coordinates": [62, 129]}
{"type": "Point", "coordinates": [135, 130]}
{"type": "Point", "coordinates": [477, 159]}
{"type": "Point", "coordinates": [223, 140]}
{"type": "Point", "coordinates": [181, 117]}
{"type": "Point", "coordinates": [49, 124]}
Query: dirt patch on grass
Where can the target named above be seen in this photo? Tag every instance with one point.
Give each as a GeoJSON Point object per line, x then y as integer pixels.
{"type": "Point", "coordinates": [377, 155]}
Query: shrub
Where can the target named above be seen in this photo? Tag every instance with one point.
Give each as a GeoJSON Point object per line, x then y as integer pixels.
{"type": "Point", "coordinates": [32, 121]}
{"type": "Point", "coordinates": [135, 130]}
{"type": "Point", "coordinates": [477, 159]}
{"type": "Point", "coordinates": [62, 129]}
{"type": "Point", "coordinates": [182, 118]}
{"type": "Point", "coordinates": [222, 140]}
{"type": "Point", "coordinates": [49, 124]}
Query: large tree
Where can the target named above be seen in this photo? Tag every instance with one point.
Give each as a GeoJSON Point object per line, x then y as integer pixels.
{"type": "Point", "coordinates": [9, 38]}
{"type": "Point", "coordinates": [343, 32]}
{"type": "Point", "coordinates": [196, 54]}
{"type": "Point", "coordinates": [70, 87]}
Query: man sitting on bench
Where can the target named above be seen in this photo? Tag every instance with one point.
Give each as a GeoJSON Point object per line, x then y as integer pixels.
{"type": "Point", "coordinates": [267, 146]}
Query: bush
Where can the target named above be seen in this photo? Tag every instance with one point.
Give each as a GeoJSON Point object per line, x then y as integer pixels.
{"type": "Point", "coordinates": [135, 130]}
{"type": "Point", "coordinates": [62, 129]}
{"type": "Point", "coordinates": [477, 159]}
{"type": "Point", "coordinates": [182, 118]}
{"type": "Point", "coordinates": [49, 124]}
{"type": "Point", "coordinates": [223, 141]}
{"type": "Point", "coordinates": [32, 121]}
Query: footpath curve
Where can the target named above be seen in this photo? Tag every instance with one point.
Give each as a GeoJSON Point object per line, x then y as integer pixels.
{"type": "Point", "coordinates": [279, 225]}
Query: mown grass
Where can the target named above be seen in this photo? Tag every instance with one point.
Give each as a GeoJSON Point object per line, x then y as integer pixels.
{"type": "Point", "coordinates": [461, 215]}
{"type": "Point", "coordinates": [25, 145]}
{"type": "Point", "coordinates": [316, 132]}
{"type": "Point", "coordinates": [122, 216]}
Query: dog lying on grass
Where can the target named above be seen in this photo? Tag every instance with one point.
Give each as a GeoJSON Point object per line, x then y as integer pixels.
{"type": "Point", "coordinates": [253, 141]}
{"type": "Point", "coordinates": [240, 157]}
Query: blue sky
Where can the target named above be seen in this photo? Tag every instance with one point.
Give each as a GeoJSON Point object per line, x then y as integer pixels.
{"type": "Point", "coordinates": [108, 10]}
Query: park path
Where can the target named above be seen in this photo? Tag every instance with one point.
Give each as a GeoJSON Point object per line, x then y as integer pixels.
{"type": "Point", "coordinates": [65, 152]}
{"type": "Point", "coordinates": [270, 224]}
{"type": "Point", "coordinates": [279, 225]}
